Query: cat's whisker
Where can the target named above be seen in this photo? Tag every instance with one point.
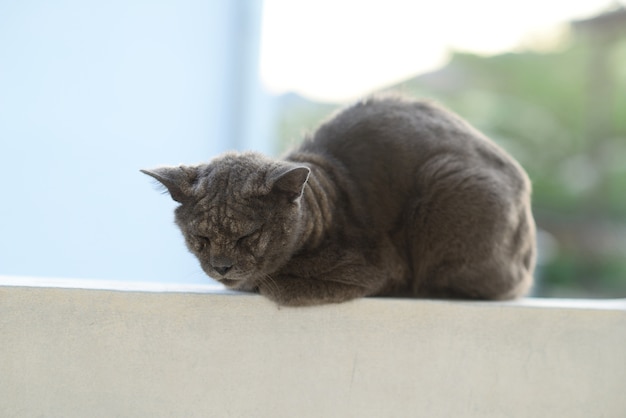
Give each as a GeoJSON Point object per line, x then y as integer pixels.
{"type": "Point", "coordinates": [347, 280]}
{"type": "Point", "coordinates": [271, 286]}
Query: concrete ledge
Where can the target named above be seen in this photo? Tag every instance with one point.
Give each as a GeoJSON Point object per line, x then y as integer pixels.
{"type": "Point", "coordinates": [100, 349]}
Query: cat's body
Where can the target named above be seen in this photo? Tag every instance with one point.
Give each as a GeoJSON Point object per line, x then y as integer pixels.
{"type": "Point", "coordinates": [389, 197]}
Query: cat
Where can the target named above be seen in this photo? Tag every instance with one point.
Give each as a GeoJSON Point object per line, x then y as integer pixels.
{"type": "Point", "coordinates": [389, 197]}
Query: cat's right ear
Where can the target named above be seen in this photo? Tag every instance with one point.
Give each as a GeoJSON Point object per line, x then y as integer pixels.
{"type": "Point", "coordinates": [177, 180]}
{"type": "Point", "coordinates": [290, 181]}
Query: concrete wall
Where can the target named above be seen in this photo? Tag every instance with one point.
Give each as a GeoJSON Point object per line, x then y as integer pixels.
{"type": "Point", "coordinates": [137, 350]}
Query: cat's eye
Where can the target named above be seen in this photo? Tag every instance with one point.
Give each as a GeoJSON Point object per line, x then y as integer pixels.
{"type": "Point", "coordinates": [242, 238]}
{"type": "Point", "coordinates": [202, 241]}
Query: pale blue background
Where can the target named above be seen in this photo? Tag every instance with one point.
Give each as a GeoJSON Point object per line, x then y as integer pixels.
{"type": "Point", "coordinates": [92, 91]}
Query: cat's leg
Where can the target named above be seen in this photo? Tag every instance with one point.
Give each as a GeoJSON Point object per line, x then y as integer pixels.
{"type": "Point", "coordinates": [290, 290]}
{"type": "Point", "coordinates": [336, 276]}
{"type": "Point", "coordinates": [476, 280]}
{"type": "Point", "coordinates": [473, 240]}
{"type": "Point", "coordinates": [500, 268]}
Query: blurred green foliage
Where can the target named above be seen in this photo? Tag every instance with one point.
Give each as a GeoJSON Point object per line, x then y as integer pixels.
{"type": "Point", "coordinates": [562, 114]}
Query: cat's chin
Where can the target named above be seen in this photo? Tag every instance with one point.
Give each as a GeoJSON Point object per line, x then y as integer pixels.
{"type": "Point", "coordinates": [242, 285]}
{"type": "Point", "coordinates": [237, 283]}
{"type": "Point", "coordinates": [233, 284]}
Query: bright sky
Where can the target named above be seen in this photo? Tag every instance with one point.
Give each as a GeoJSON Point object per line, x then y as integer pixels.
{"type": "Point", "coordinates": [336, 50]}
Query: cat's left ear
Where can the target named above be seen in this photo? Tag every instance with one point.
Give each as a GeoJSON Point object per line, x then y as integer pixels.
{"type": "Point", "coordinates": [290, 181]}
{"type": "Point", "coordinates": [177, 180]}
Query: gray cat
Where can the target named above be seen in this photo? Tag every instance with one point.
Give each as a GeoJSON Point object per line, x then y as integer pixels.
{"type": "Point", "coordinates": [389, 197]}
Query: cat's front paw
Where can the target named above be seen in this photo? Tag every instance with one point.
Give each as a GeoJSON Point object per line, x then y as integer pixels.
{"type": "Point", "coordinates": [297, 291]}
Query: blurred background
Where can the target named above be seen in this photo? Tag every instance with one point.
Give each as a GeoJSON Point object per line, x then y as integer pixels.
{"type": "Point", "coordinates": [90, 92]}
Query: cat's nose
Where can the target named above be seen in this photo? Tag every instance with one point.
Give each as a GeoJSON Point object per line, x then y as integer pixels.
{"type": "Point", "coordinates": [221, 264]}
{"type": "Point", "coordinates": [222, 269]}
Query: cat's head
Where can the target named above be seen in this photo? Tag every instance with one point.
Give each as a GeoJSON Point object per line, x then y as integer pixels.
{"type": "Point", "coordinates": [240, 214]}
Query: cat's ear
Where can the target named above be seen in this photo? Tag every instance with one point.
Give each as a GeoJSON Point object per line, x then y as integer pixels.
{"type": "Point", "coordinates": [290, 181]}
{"type": "Point", "coordinates": [177, 180]}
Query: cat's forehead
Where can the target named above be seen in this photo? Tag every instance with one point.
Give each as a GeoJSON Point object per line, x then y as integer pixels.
{"type": "Point", "coordinates": [223, 217]}
{"type": "Point", "coordinates": [223, 212]}
{"type": "Point", "coordinates": [232, 176]}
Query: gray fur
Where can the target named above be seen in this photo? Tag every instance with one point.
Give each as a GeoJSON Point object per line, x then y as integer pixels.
{"type": "Point", "coordinates": [389, 197]}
